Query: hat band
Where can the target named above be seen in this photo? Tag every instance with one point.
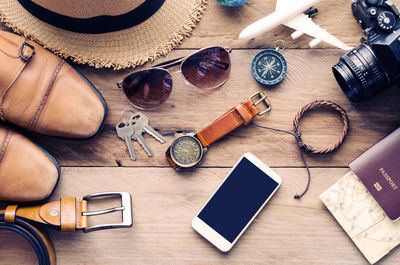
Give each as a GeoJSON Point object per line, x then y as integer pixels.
{"type": "Point", "coordinates": [94, 25]}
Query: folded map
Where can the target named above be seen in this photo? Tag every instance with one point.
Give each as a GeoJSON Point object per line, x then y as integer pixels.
{"type": "Point", "coordinates": [361, 217]}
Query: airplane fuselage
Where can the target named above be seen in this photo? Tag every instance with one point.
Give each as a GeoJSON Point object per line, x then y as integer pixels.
{"type": "Point", "coordinates": [280, 16]}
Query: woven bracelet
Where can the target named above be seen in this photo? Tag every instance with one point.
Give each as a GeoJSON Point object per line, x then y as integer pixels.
{"type": "Point", "coordinates": [318, 104]}
{"type": "Point", "coordinates": [304, 148]}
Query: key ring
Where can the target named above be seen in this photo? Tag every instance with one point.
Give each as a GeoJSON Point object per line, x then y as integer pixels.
{"type": "Point", "coordinates": [127, 110]}
{"type": "Point", "coordinates": [278, 47]}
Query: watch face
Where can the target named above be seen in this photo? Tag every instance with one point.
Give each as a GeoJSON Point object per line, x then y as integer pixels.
{"type": "Point", "coordinates": [269, 67]}
{"type": "Point", "coordinates": [186, 151]}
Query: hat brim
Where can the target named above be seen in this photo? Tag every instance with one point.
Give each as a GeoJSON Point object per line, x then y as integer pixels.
{"type": "Point", "coordinates": [131, 47]}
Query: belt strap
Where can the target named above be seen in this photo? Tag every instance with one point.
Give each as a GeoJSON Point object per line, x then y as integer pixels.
{"type": "Point", "coordinates": [36, 237]}
{"type": "Point", "coordinates": [66, 214]}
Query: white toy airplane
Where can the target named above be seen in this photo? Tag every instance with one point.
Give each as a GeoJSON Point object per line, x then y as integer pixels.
{"type": "Point", "coordinates": [291, 14]}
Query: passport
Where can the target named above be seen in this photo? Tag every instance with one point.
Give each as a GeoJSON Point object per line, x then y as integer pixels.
{"type": "Point", "coordinates": [379, 170]}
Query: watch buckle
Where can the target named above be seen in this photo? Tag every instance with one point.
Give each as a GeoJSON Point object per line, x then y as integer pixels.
{"type": "Point", "coordinates": [262, 99]}
{"type": "Point", "coordinates": [125, 208]}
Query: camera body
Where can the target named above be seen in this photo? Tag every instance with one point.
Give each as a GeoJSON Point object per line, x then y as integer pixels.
{"type": "Point", "coordinates": [374, 65]}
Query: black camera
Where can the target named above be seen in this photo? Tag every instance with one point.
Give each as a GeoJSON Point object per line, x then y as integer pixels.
{"type": "Point", "coordinates": [375, 64]}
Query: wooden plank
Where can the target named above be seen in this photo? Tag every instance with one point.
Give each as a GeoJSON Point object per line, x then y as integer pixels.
{"type": "Point", "coordinates": [189, 109]}
{"type": "Point", "coordinates": [309, 78]}
{"type": "Point", "coordinates": [164, 201]}
{"type": "Point", "coordinates": [287, 231]}
{"type": "Point", "coordinates": [221, 25]}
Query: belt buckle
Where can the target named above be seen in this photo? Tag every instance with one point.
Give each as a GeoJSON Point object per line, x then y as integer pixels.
{"type": "Point", "coordinates": [263, 99]}
{"type": "Point", "coordinates": [125, 208]}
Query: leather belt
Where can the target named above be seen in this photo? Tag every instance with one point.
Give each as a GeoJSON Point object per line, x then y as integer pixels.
{"type": "Point", "coordinates": [67, 214]}
{"type": "Point", "coordinates": [37, 238]}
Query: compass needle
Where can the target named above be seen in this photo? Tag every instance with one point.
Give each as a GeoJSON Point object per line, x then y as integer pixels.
{"type": "Point", "coordinates": [269, 67]}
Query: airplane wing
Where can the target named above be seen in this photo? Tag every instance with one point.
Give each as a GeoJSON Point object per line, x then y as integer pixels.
{"type": "Point", "coordinates": [283, 4]}
{"type": "Point", "coordinates": [302, 23]}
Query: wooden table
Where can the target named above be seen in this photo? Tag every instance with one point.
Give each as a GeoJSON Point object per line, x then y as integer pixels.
{"type": "Point", "coordinates": [287, 231]}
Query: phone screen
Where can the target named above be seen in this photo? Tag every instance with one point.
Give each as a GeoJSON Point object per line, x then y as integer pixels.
{"type": "Point", "coordinates": [238, 199]}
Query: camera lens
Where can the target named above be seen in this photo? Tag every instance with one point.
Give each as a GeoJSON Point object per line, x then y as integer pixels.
{"type": "Point", "coordinates": [360, 75]}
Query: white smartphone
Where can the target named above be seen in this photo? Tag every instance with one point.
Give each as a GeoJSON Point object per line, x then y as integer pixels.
{"type": "Point", "coordinates": [235, 204]}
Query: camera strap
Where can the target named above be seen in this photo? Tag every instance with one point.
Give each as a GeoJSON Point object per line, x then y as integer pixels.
{"type": "Point", "coordinates": [304, 148]}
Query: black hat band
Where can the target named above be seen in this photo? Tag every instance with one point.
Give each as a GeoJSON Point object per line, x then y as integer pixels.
{"type": "Point", "coordinates": [95, 25]}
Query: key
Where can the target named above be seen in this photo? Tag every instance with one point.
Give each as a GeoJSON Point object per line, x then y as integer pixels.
{"type": "Point", "coordinates": [144, 123]}
{"type": "Point", "coordinates": [125, 132]}
{"type": "Point", "coordinates": [137, 136]}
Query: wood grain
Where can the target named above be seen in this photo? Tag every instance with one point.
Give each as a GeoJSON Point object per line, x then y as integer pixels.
{"type": "Point", "coordinates": [222, 25]}
{"type": "Point", "coordinates": [188, 110]}
{"type": "Point", "coordinates": [287, 231]}
{"type": "Point", "coordinates": [309, 78]}
{"type": "Point", "coordinates": [164, 201]}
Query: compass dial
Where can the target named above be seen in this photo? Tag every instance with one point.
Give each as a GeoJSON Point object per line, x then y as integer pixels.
{"type": "Point", "coordinates": [186, 151]}
{"type": "Point", "coordinates": [269, 67]}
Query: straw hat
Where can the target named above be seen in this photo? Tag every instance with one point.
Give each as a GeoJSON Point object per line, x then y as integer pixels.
{"type": "Point", "coordinates": [104, 33]}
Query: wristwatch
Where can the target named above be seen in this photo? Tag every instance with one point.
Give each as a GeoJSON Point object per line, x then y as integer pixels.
{"type": "Point", "coordinates": [187, 151]}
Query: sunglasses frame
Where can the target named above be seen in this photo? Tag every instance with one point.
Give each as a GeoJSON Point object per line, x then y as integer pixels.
{"type": "Point", "coordinates": [179, 61]}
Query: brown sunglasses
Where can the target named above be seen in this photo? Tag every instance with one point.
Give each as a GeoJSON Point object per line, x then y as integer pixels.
{"type": "Point", "coordinates": [207, 68]}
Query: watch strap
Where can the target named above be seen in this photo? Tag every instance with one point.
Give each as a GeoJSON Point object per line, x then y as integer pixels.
{"type": "Point", "coordinates": [169, 159]}
{"type": "Point", "coordinates": [241, 114]}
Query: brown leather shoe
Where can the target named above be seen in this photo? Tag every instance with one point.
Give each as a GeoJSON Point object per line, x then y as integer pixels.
{"type": "Point", "coordinates": [27, 172]}
{"type": "Point", "coordinates": [42, 93]}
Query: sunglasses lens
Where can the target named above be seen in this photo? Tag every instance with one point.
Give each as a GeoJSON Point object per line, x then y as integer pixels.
{"type": "Point", "coordinates": [148, 88]}
{"type": "Point", "coordinates": [208, 68]}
